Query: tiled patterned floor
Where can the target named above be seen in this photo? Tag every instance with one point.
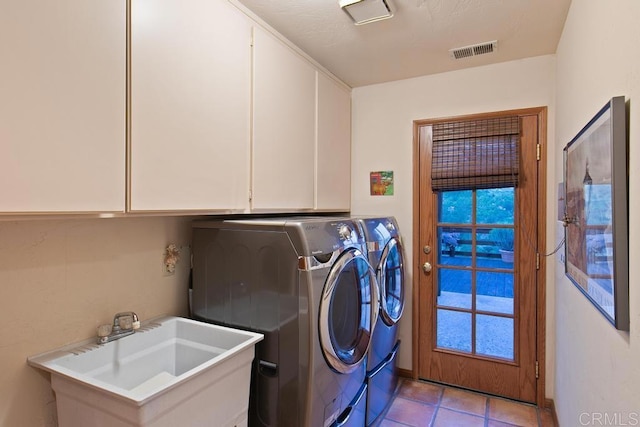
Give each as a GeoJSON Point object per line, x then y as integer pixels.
{"type": "Point", "coordinates": [422, 404]}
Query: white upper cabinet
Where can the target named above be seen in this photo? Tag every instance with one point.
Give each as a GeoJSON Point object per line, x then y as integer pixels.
{"type": "Point", "coordinates": [190, 106]}
{"type": "Point", "coordinates": [225, 117]}
{"type": "Point", "coordinates": [62, 106]}
{"type": "Point", "coordinates": [333, 159]}
{"type": "Point", "coordinates": [284, 128]}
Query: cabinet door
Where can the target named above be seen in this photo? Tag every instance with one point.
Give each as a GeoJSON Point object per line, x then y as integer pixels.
{"type": "Point", "coordinates": [190, 82]}
{"type": "Point", "coordinates": [333, 162]}
{"type": "Point", "coordinates": [283, 127]}
{"type": "Point", "coordinates": [62, 105]}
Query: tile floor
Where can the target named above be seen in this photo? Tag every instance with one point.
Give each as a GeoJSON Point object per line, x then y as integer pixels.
{"type": "Point", "coordinates": [419, 403]}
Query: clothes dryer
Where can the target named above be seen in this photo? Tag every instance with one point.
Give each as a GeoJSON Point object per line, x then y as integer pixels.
{"type": "Point", "coordinates": [385, 252]}
{"type": "Point", "coordinates": [306, 284]}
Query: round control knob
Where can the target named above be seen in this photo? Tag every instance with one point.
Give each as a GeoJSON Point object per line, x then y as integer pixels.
{"type": "Point", "coordinates": [344, 231]}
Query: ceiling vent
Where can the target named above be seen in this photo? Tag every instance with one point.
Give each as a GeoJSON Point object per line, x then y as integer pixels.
{"type": "Point", "coordinates": [366, 11]}
{"type": "Point", "coordinates": [474, 50]}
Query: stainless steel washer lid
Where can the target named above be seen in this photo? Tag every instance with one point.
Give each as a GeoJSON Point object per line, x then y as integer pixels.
{"type": "Point", "coordinates": [310, 236]}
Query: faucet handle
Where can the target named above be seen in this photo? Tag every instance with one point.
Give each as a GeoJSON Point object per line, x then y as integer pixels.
{"type": "Point", "coordinates": [104, 330]}
{"type": "Point", "coordinates": [126, 320]}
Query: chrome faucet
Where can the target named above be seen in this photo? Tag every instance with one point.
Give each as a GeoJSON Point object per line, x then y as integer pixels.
{"type": "Point", "coordinates": [124, 324]}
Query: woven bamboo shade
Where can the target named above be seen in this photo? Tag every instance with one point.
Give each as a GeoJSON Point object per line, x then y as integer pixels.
{"type": "Point", "coordinates": [475, 154]}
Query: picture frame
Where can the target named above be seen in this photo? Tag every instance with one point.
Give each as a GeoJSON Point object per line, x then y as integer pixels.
{"type": "Point", "coordinates": [596, 212]}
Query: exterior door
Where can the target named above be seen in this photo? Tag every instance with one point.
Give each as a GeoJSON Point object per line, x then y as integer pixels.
{"type": "Point", "coordinates": [477, 275]}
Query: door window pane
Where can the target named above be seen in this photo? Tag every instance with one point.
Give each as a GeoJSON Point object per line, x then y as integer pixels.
{"type": "Point", "coordinates": [496, 206]}
{"type": "Point", "coordinates": [455, 246]}
{"type": "Point", "coordinates": [454, 330]}
{"type": "Point", "coordinates": [455, 207]}
{"type": "Point", "coordinates": [495, 247]}
{"type": "Point", "coordinates": [494, 292]}
{"type": "Point", "coordinates": [454, 288]}
{"type": "Point", "coordinates": [494, 336]}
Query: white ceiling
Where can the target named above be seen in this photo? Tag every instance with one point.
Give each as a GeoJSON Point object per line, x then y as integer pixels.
{"type": "Point", "coordinates": [417, 40]}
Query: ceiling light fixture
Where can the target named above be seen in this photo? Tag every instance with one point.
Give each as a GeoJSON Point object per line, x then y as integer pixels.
{"type": "Point", "coordinates": [366, 11]}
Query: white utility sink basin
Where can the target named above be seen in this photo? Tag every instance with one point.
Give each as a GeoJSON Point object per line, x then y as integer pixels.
{"type": "Point", "coordinates": [172, 371]}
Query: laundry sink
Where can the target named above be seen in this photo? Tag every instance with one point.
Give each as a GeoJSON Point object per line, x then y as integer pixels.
{"type": "Point", "coordinates": [172, 371]}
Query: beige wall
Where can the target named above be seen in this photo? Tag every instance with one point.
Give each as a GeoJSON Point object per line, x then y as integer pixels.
{"type": "Point", "coordinates": [382, 135]}
{"type": "Point", "coordinates": [61, 279]}
{"type": "Point", "coordinates": [598, 367]}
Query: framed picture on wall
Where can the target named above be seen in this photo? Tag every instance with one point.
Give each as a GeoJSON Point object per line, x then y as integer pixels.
{"type": "Point", "coordinates": [596, 213]}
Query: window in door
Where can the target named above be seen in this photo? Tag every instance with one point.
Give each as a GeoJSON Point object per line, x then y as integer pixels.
{"type": "Point", "coordinates": [475, 310]}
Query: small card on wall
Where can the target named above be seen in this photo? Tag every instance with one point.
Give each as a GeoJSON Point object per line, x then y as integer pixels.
{"type": "Point", "coordinates": [381, 183]}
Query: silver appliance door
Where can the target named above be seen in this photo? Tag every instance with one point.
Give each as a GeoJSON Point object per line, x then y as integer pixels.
{"type": "Point", "coordinates": [391, 282]}
{"type": "Point", "coordinates": [348, 311]}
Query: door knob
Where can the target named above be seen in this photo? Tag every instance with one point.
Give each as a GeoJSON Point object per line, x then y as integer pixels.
{"type": "Point", "coordinates": [426, 267]}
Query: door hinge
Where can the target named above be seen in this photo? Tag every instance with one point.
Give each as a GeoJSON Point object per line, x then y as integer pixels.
{"type": "Point", "coordinates": [538, 152]}
{"type": "Point", "coordinates": [250, 196]}
{"type": "Point", "coordinates": [537, 370]}
{"type": "Point", "coordinates": [537, 260]}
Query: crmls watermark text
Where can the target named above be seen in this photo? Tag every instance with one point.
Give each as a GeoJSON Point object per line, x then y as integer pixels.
{"type": "Point", "coordinates": [610, 419]}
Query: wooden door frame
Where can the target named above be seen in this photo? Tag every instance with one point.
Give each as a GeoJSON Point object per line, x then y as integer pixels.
{"type": "Point", "coordinates": [541, 313]}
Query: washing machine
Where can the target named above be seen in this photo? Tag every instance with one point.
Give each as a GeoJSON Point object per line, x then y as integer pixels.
{"type": "Point", "coordinates": [385, 254]}
{"type": "Point", "coordinates": [307, 285]}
